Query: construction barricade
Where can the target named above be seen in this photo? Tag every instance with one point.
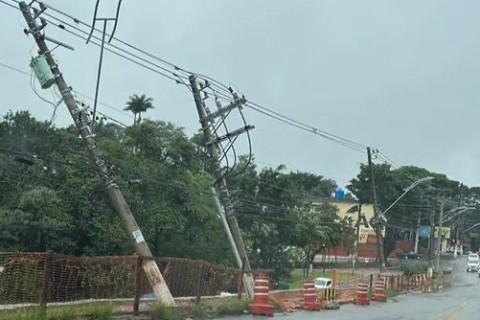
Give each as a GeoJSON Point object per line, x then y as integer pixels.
{"type": "Point", "coordinates": [328, 298]}
{"type": "Point", "coordinates": [260, 305]}
{"type": "Point", "coordinates": [310, 296]}
{"type": "Point", "coordinates": [379, 290]}
{"type": "Point", "coordinates": [361, 297]}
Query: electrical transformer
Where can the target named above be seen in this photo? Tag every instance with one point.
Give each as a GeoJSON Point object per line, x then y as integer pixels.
{"type": "Point", "coordinates": [42, 71]}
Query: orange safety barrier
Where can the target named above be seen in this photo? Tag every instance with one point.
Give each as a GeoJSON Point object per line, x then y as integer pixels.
{"type": "Point", "coordinates": [379, 290]}
{"type": "Point", "coordinates": [362, 293]}
{"type": "Point", "coordinates": [310, 296]}
{"type": "Point", "coordinates": [259, 305]}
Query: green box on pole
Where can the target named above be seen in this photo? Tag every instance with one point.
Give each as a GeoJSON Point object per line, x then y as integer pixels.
{"type": "Point", "coordinates": [42, 71]}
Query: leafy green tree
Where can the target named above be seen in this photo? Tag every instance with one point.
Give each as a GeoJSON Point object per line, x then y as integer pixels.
{"type": "Point", "coordinates": [312, 231]}
{"type": "Point", "coordinates": [391, 184]}
{"type": "Point", "coordinates": [39, 223]}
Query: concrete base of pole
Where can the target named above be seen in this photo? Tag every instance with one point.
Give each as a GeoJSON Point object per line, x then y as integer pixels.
{"type": "Point", "coordinates": [158, 283]}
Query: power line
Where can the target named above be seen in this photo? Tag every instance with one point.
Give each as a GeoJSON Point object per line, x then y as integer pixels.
{"type": "Point", "coordinates": [76, 92]}
{"type": "Point", "coordinates": [13, 68]}
{"type": "Point", "coordinates": [254, 106]}
{"type": "Point", "coordinates": [224, 90]}
{"type": "Point", "coordinates": [410, 176]}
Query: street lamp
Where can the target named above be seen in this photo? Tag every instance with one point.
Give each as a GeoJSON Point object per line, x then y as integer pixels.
{"type": "Point", "coordinates": [407, 189]}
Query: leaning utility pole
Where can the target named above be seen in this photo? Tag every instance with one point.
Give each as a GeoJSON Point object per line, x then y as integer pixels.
{"type": "Point", "coordinates": [440, 233]}
{"type": "Point", "coordinates": [221, 213]}
{"type": "Point", "coordinates": [357, 233]}
{"type": "Point", "coordinates": [417, 233]}
{"type": "Point", "coordinates": [378, 225]}
{"type": "Point", "coordinates": [212, 146]}
{"type": "Point", "coordinates": [116, 197]}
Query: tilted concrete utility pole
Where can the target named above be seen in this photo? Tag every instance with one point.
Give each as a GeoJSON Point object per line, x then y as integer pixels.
{"type": "Point", "coordinates": [116, 197]}
{"type": "Point", "coordinates": [231, 241]}
{"type": "Point", "coordinates": [376, 211]}
{"type": "Point", "coordinates": [357, 233]}
{"type": "Point", "coordinates": [212, 146]}
{"type": "Point", "coordinates": [417, 233]}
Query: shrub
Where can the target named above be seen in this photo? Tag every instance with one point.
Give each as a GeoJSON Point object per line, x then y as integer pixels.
{"type": "Point", "coordinates": [413, 267]}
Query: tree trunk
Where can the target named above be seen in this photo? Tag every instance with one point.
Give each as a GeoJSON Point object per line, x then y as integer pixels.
{"type": "Point", "coordinates": [307, 259]}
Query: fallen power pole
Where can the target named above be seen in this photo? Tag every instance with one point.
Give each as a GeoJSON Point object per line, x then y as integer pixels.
{"type": "Point", "coordinates": [377, 219]}
{"type": "Point", "coordinates": [212, 145]}
{"type": "Point", "coordinates": [81, 121]}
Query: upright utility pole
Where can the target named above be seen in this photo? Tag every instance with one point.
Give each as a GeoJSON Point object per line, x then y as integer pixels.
{"type": "Point", "coordinates": [417, 233]}
{"type": "Point", "coordinates": [376, 211]}
{"type": "Point", "coordinates": [461, 236]}
{"type": "Point", "coordinates": [212, 146]}
{"type": "Point", "coordinates": [457, 225]}
{"type": "Point", "coordinates": [432, 235]}
{"type": "Point", "coordinates": [440, 238]}
{"type": "Point", "coordinates": [116, 197]}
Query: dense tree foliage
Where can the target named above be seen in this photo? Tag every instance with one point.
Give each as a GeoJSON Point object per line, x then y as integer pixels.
{"type": "Point", "coordinates": [419, 202]}
{"type": "Point", "coordinates": [51, 196]}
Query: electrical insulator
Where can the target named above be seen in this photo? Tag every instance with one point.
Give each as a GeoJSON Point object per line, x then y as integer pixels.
{"type": "Point", "coordinates": [42, 71]}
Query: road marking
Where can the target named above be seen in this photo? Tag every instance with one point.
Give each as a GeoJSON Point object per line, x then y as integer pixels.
{"type": "Point", "coordinates": [454, 313]}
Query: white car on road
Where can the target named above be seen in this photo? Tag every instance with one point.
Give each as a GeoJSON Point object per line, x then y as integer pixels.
{"type": "Point", "coordinates": [473, 263]}
{"type": "Point", "coordinates": [322, 283]}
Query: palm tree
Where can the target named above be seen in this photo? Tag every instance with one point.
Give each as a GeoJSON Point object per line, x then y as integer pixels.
{"type": "Point", "coordinates": [137, 105]}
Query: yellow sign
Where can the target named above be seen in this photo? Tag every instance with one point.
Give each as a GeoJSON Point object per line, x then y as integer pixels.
{"type": "Point", "coordinates": [349, 210]}
{"type": "Point", "coordinates": [445, 232]}
{"type": "Point", "coordinates": [364, 233]}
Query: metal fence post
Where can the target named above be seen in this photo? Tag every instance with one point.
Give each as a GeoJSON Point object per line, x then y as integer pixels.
{"type": "Point", "coordinates": [47, 276]}
{"type": "Point", "coordinates": [370, 287]}
{"type": "Point", "coordinates": [138, 285]}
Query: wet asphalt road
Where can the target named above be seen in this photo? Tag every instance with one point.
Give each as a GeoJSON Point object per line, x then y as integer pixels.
{"type": "Point", "coordinates": [460, 302]}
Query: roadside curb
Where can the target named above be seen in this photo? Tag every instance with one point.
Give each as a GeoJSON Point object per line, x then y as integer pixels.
{"type": "Point", "coordinates": [349, 301]}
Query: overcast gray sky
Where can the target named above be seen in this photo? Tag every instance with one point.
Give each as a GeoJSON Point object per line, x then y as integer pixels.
{"type": "Point", "coordinates": [400, 76]}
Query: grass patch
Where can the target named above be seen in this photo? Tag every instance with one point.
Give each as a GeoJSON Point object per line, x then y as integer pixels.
{"type": "Point", "coordinates": [296, 278]}
{"type": "Point", "coordinates": [205, 310]}
{"type": "Point", "coordinates": [94, 311]}
{"type": "Point", "coordinates": [390, 293]}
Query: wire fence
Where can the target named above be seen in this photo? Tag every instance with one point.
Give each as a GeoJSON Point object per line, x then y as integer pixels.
{"type": "Point", "coordinates": [38, 279]}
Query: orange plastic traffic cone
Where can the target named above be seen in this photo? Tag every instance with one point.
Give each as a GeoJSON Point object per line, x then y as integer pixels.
{"type": "Point", "coordinates": [379, 290]}
{"type": "Point", "coordinates": [310, 296]}
{"type": "Point", "coordinates": [259, 305]}
{"type": "Point", "coordinates": [362, 293]}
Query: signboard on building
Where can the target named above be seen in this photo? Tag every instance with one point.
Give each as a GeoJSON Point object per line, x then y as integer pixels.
{"type": "Point", "coordinates": [424, 232]}
{"type": "Point", "coordinates": [364, 234]}
{"type": "Point", "coordinates": [347, 209]}
{"type": "Point", "coordinates": [445, 232]}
